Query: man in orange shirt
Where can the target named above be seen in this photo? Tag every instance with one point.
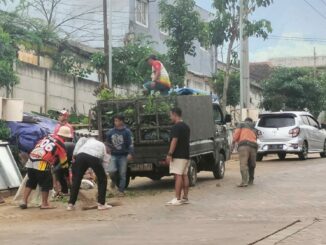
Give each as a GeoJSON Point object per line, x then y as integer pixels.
{"type": "Point", "coordinates": [160, 77]}
{"type": "Point", "coordinates": [245, 137]}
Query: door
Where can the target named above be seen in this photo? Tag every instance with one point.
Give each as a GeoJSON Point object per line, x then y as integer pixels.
{"type": "Point", "coordinates": [316, 139]}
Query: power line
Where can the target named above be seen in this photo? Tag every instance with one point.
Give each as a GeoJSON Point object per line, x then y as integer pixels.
{"type": "Point", "coordinates": [316, 10]}
{"type": "Point", "coordinates": [323, 1]}
{"type": "Point", "coordinates": [291, 38]}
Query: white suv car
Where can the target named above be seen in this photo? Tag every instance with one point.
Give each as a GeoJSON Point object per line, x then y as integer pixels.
{"type": "Point", "coordinates": [290, 132]}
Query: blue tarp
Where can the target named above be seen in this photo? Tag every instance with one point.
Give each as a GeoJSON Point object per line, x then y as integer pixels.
{"type": "Point", "coordinates": [192, 91]}
{"type": "Point", "coordinates": [26, 135]}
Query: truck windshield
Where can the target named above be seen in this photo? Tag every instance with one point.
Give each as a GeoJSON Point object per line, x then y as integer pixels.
{"type": "Point", "coordinates": [276, 121]}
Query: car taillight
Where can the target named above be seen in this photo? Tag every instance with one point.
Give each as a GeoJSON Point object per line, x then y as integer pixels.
{"type": "Point", "coordinates": [294, 132]}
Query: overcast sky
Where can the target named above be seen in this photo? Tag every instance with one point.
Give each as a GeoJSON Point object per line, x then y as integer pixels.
{"type": "Point", "coordinates": [290, 18]}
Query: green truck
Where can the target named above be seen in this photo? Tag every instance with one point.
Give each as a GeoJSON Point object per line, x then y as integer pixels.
{"type": "Point", "coordinates": [148, 119]}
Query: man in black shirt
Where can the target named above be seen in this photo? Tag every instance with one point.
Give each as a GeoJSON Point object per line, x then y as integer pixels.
{"type": "Point", "coordinates": [178, 157]}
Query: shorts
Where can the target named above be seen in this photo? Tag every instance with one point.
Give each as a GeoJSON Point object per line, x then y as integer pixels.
{"type": "Point", "coordinates": [179, 166]}
{"type": "Point", "coordinates": [41, 178]}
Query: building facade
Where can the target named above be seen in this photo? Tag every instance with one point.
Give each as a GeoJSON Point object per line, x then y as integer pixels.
{"type": "Point", "coordinates": [142, 17]}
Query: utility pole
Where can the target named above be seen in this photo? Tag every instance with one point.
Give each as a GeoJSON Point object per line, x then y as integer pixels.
{"type": "Point", "coordinates": [315, 64]}
{"type": "Point", "coordinates": [244, 61]}
{"type": "Point", "coordinates": [110, 45]}
{"type": "Point", "coordinates": [106, 39]}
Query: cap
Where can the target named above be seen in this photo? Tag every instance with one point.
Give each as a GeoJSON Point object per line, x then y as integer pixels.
{"type": "Point", "coordinates": [65, 131]}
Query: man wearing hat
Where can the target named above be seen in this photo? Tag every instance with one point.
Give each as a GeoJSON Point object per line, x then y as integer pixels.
{"type": "Point", "coordinates": [160, 77]}
{"type": "Point", "coordinates": [48, 152]}
{"type": "Point", "coordinates": [63, 121]}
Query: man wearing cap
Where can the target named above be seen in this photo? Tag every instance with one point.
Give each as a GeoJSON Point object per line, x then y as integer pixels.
{"type": "Point", "coordinates": [160, 77]}
{"type": "Point", "coordinates": [63, 121]}
{"type": "Point", "coordinates": [48, 152]}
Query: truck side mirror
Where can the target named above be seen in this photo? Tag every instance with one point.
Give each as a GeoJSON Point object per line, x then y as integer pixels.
{"type": "Point", "coordinates": [228, 118]}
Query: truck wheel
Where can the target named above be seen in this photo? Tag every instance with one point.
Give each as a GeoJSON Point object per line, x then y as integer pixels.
{"type": "Point", "coordinates": [259, 157]}
{"type": "Point", "coordinates": [219, 167]}
{"type": "Point", "coordinates": [303, 155]}
{"type": "Point", "coordinates": [192, 173]}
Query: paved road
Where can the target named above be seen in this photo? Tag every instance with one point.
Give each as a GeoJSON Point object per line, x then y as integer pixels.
{"type": "Point", "coordinates": [288, 193]}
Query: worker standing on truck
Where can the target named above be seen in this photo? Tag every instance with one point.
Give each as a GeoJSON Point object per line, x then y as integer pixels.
{"type": "Point", "coordinates": [160, 77]}
{"type": "Point", "coordinates": [178, 157]}
{"type": "Point", "coordinates": [246, 137]}
{"type": "Point", "coordinates": [119, 140]}
{"type": "Point", "coordinates": [48, 152]}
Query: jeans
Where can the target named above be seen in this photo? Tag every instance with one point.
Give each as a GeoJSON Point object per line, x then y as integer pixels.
{"type": "Point", "coordinates": [156, 87]}
{"type": "Point", "coordinates": [119, 165]}
{"type": "Point", "coordinates": [83, 162]}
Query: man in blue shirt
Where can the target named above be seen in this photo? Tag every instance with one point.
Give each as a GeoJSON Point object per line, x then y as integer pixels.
{"type": "Point", "coordinates": [119, 140]}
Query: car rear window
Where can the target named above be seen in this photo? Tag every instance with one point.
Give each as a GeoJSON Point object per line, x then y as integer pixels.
{"type": "Point", "coordinates": [276, 121]}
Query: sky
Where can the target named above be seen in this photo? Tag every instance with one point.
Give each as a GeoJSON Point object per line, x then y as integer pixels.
{"type": "Point", "coordinates": [296, 19]}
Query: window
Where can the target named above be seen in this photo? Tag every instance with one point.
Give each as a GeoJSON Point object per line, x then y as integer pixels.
{"type": "Point", "coordinates": [276, 121]}
{"type": "Point", "coordinates": [305, 120]}
{"type": "Point", "coordinates": [142, 12]}
{"type": "Point", "coordinates": [313, 122]}
{"type": "Point", "coordinates": [217, 114]}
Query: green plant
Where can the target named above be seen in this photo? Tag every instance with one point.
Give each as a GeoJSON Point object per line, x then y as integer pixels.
{"type": "Point", "coordinates": [106, 94]}
{"type": "Point", "coordinates": [4, 131]}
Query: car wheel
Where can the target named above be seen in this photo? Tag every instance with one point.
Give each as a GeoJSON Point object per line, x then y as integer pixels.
{"type": "Point", "coordinates": [219, 167]}
{"type": "Point", "coordinates": [259, 157]}
{"type": "Point", "coordinates": [303, 155]}
{"type": "Point", "coordinates": [323, 154]}
{"type": "Point", "coordinates": [192, 173]}
{"type": "Point", "coordinates": [281, 156]}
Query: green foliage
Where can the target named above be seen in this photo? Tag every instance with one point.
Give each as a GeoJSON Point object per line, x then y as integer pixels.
{"type": "Point", "coordinates": [294, 89]}
{"type": "Point", "coordinates": [225, 28]}
{"type": "Point", "coordinates": [233, 94]}
{"type": "Point", "coordinates": [98, 62]}
{"type": "Point", "coordinates": [4, 131]}
{"type": "Point", "coordinates": [184, 26]}
{"type": "Point", "coordinates": [8, 78]}
{"type": "Point", "coordinates": [129, 63]}
{"type": "Point", "coordinates": [105, 94]}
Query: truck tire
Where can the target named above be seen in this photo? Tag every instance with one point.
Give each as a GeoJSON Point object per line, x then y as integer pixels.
{"type": "Point", "coordinates": [192, 173]}
{"type": "Point", "coordinates": [219, 167]}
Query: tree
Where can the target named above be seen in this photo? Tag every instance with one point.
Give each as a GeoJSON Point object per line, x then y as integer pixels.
{"type": "Point", "coordinates": [225, 29]}
{"type": "Point", "coordinates": [184, 26]}
{"type": "Point", "coordinates": [294, 89]}
{"type": "Point", "coordinates": [233, 95]}
{"type": "Point", "coordinates": [8, 78]}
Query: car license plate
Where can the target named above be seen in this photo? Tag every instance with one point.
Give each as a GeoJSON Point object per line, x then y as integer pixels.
{"type": "Point", "coordinates": [141, 167]}
{"type": "Point", "coordinates": [275, 147]}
